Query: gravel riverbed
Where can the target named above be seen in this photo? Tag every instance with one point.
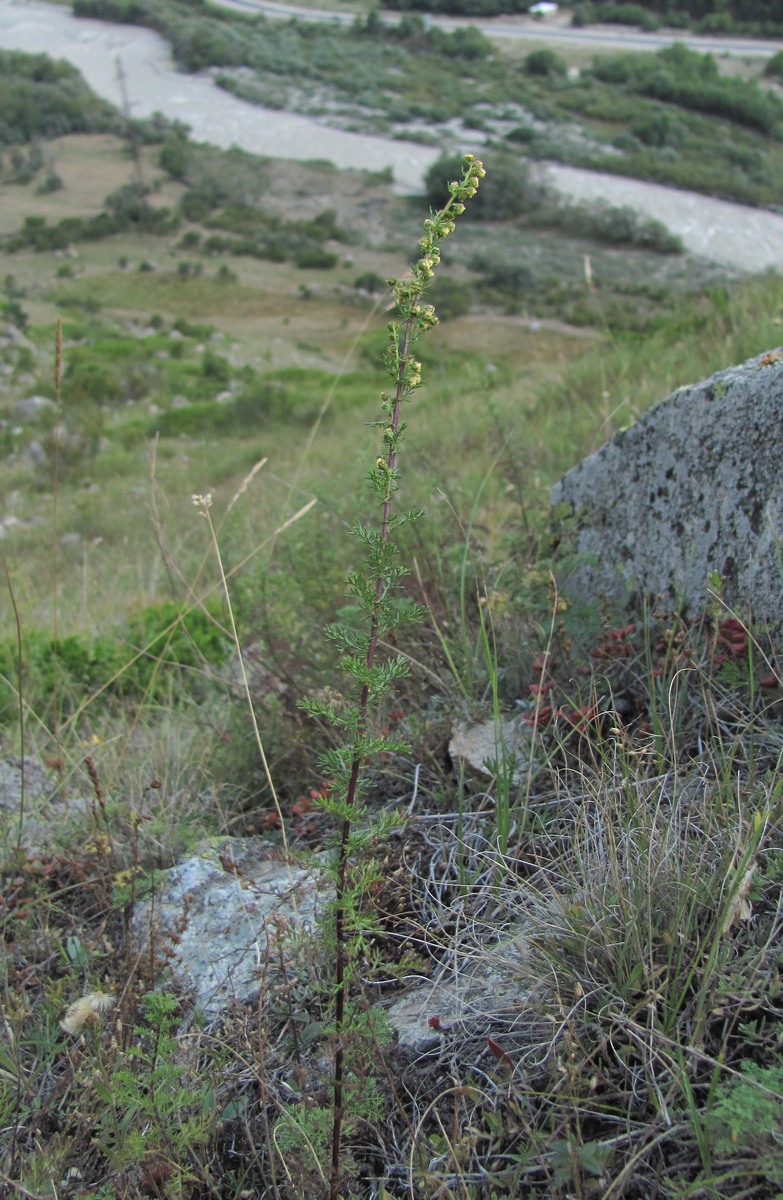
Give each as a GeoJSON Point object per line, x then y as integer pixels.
{"type": "Point", "coordinates": [731, 234]}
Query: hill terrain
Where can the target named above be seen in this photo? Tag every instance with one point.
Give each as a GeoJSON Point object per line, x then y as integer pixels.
{"type": "Point", "coordinates": [181, 323]}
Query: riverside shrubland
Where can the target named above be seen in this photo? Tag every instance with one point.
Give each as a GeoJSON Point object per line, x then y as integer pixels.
{"type": "Point", "coordinates": [636, 114]}
{"type": "Point", "coordinates": [639, 855]}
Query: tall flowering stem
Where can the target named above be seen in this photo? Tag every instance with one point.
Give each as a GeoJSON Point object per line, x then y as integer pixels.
{"type": "Point", "coordinates": [376, 588]}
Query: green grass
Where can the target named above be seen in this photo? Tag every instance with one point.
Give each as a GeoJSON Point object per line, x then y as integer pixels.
{"type": "Point", "coordinates": [636, 114]}
{"type": "Point", "coordinates": [651, 1034]}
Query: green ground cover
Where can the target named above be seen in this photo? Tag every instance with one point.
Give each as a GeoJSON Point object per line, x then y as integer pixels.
{"type": "Point", "coordinates": [648, 1064]}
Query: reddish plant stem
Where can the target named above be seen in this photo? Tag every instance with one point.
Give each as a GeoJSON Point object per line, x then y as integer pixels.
{"type": "Point", "coordinates": [340, 989]}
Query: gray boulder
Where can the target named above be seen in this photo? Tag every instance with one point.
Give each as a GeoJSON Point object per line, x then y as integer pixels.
{"type": "Point", "coordinates": [480, 989]}
{"type": "Point", "coordinates": [218, 914]}
{"type": "Point", "coordinates": [692, 491]}
{"type": "Point", "coordinates": [223, 918]}
{"type": "Point", "coordinates": [32, 408]}
{"type": "Point", "coordinates": [34, 812]}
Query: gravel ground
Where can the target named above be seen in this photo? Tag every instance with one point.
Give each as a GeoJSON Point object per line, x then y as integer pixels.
{"type": "Point", "coordinates": [732, 234]}
{"type": "Point", "coordinates": [750, 239]}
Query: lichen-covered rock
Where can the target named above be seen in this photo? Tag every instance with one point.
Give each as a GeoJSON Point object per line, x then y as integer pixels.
{"type": "Point", "coordinates": [216, 914]}
{"type": "Point", "coordinates": [34, 812]}
{"type": "Point", "coordinates": [693, 491]}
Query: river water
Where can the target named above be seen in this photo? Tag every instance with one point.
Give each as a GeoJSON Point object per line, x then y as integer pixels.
{"type": "Point", "coordinates": [732, 234]}
{"type": "Point", "coordinates": [153, 84]}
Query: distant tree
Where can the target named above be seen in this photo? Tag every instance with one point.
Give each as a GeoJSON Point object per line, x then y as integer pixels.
{"type": "Point", "coordinates": [461, 8]}
{"type": "Point", "coordinates": [715, 15]}
{"type": "Point", "coordinates": [175, 155]}
{"type": "Point", "coordinates": [774, 67]}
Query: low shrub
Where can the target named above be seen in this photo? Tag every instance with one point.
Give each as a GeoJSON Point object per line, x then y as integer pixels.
{"type": "Point", "coordinates": [615, 226]}
{"type": "Point", "coordinates": [316, 258]}
{"type": "Point", "coordinates": [681, 76]}
{"type": "Point", "coordinates": [545, 62]}
{"type": "Point", "coordinates": [58, 674]}
{"type": "Point", "coordinates": [41, 98]}
{"type": "Point", "coordinates": [512, 187]}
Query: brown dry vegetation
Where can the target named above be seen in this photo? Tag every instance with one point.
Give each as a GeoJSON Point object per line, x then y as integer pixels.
{"type": "Point", "coordinates": [650, 993]}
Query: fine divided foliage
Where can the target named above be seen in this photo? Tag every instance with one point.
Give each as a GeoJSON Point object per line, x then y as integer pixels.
{"type": "Point", "coordinates": [378, 611]}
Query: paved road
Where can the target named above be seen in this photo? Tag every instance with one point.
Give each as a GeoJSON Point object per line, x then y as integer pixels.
{"type": "Point", "coordinates": [553, 32]}
{"type": "Point", "coordinates": [745, 238]}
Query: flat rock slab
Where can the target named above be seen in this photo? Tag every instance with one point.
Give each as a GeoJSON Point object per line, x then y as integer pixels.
{"type": "Point", "coordinates": [218, 913]}
{"type": "Point", "coordinates": [485, 989]}
{"type": "Point", "coordinates": [695, 487]}
{"type": "Point", "coordinates": [483, 745]}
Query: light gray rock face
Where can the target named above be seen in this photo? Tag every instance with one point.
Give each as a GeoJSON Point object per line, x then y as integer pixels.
{"type": "Point", "coordinates": [479, 991]}
{"type": "Point", "coordinates": [218, 912]}
{"type": "Point", "coordinates": [694, 487]}
{"type": "Point", "coordinates": [32, 408]}
{"type": "Point", "coordinates": [217, 918]}
{"type": "Point", "coordinates": [33, 783]}
{"type": "Point", "coordinates": [34, 813]}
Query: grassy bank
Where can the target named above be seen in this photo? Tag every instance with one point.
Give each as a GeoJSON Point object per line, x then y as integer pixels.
{"type": "Point", "coordinates": [635, 864]}
{"type": "Point", "coordinates": [641, 115]}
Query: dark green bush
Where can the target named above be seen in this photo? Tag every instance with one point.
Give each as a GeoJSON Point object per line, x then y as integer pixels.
{"type": "Point", "coordinates": [41, 98]}
{"type": "Point", "coordinates": [87, 382]}
{"type": "Point", "coordinates": [462, 8]}
{"type": "Point", "coordinates": [615, 226]}
{"type": "Point", "coordinates": [175, 155]}
{"type": "Point", "coordinates": [193, 329]}
{"type": "Point", "coordinates": [627, 14]}
{"type": "Point", "coordinates": [451, 298]}
{"type": "Point", "coordinates": [316, 258]}
{"type": "Point", "coordinates": [371, 282]}
{"type": "Point", "coordinates": [499, 276]}
{"type": "Point", "coordinates": [705, 16]}
{"type": "Point", "coordinates": [195, 205]}
{"type": "Point", "coordinates": [659, 128]}
{"type": "Point", "coordinates": [522, 134]}
{"type": "Point", "coordinates": [774, 66]}
{"type": "Point", "coordinates": [681, 76]}
{"type": "Point", "coordinates": [468, 43]}
{"type": "Point", "coordinates": [545, 62]}
{"type": "Point", "coordinates": [215, 367]}
{"type": "Point", "coordinates": [52, 183]}
{"type": "Point", "coordinates": [169, 640]}
{"type": "Point", "coordinates": [125, 209]}
{"type": "Point", "coordinates": [11, 310]}
{"type": "Point", "coordinates": [59, 674]}
{"type": "Point", "coordinates": [510, 189]}
{"type": "Point", "coordinates": [56, 676]}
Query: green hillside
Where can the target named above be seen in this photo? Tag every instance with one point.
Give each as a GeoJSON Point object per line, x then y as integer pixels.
{"type": "Point", "coordinates": [212, 510]}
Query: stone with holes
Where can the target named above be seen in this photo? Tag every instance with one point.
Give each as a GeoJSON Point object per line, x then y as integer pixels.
{"type": "Point", "coordinates": [689, 495]}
